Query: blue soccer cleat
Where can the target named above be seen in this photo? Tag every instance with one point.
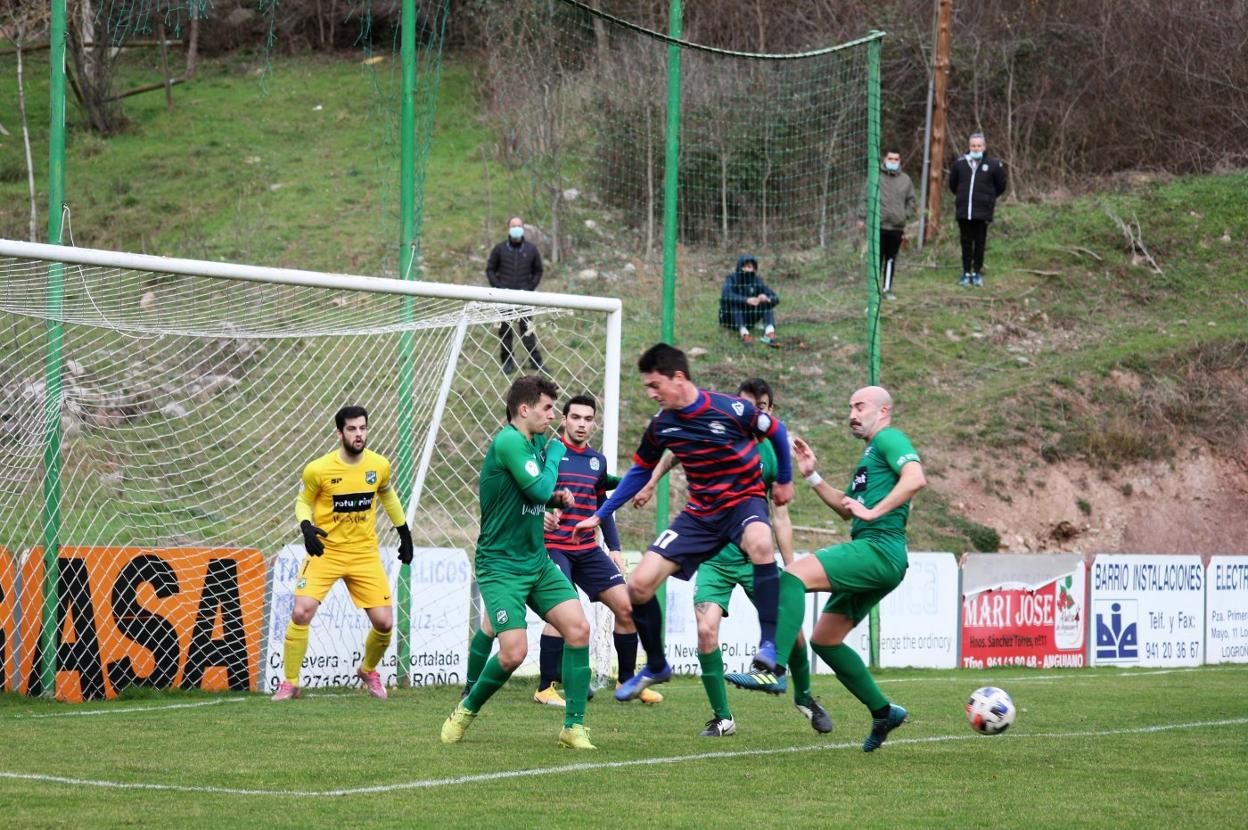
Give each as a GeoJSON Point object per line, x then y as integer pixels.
{"type": "Point", "coordinates": [759, 681]}
{"type": "Point", "coordinates": [880, 727]}
{"type": "Point", "coordinates": [765, 659]}
{"type": "Point", "coordinates": [632, 688]}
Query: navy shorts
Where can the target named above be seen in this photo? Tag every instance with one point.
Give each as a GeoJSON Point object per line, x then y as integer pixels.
{"type": "Point", "coordinates": [592, 571]}
{"type": "Point", "coordinates": [693, 538]}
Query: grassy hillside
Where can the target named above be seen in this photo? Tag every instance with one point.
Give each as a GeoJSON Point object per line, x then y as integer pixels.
{"type": "Point", "coordinates": [1077, 348]}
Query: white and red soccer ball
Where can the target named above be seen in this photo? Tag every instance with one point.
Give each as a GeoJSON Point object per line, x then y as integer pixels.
{"type": "Point", "coordinates": [990, 710]}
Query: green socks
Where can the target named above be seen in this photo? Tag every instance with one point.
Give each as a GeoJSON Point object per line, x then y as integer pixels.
{"type": "Point", "coordinates": [853, 674]}
{"type": "Point", "coordinates": [492, 678]}
{"type": "Point", "coordinates": [575, 683]}
{"type": "Point", "coordinates": [713, 682]}
{"type": "Point", "coordinates": [789, 620]}
{"type": "Point", "coordinates": [799, 672]}
{"type": "Point", "coordinates": [478, 652]}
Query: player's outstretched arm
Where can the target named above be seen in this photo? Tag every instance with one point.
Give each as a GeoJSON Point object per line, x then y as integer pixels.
{"type": "Point", "coordinates": [666, 463]}
{"type": "Point", "coordinates": [806, 460]}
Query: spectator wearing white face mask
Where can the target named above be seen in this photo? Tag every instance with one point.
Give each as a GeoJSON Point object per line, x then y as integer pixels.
{"type": "Point", "coordinates": [517, 264]}
{"type": "Point", "coordinates": [896, 194]}
{"type": "Point", "coordinates": [976, 180]}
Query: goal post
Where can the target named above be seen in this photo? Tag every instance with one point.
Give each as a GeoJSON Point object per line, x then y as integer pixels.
{"type": "Point", "coordinates": [193, 394]}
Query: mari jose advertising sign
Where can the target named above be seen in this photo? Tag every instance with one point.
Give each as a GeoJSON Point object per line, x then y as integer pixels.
{"type": "Point", "coordinates": [1024, 610]}
{"type": "Point", "coordinates": [188, 618]}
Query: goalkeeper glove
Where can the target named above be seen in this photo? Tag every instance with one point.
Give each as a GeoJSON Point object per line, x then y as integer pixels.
{"type": "Point", "coordinates": [311, 544]}
{"type": "Point", "coordinates": [405, 544]}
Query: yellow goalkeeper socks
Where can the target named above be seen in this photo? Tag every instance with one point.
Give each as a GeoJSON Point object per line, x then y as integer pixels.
{"type": "Point", "coordinates": [375, 645]}
{"type": "Point", "coordinates": [295, 646]}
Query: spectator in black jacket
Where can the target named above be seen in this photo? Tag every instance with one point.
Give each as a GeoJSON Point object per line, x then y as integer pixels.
{"type": "Point", "coordinates": [976, 180]}
{"type": "Point", "coordinates": [517, 264]}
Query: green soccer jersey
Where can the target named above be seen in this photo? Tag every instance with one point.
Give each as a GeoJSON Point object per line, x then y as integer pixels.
{"type": "Point", "coordinates": [876, 476]}
{"type": "Point", "coordinates": [517, 480]}
{"type": "Point", "coordinates": [731, 554]}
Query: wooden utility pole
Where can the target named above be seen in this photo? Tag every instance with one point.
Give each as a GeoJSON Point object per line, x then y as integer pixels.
{"type": "Point", "coordinates": [936, 146]}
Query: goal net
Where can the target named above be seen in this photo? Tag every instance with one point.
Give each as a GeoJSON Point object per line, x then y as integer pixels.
{"type": "Point", "coordinates": [156, 415]}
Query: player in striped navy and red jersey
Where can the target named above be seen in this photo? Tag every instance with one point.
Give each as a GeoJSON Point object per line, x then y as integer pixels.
{"type": "Point", "coordinates": [598, 573]}
{"type": "Point", "coordinates": [713, 437]}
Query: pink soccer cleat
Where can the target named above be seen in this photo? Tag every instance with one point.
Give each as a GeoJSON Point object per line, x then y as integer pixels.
{"type": "Point", "coordinates": [286, 691]}
{"type": "Point", "coordinates": [372, 682]}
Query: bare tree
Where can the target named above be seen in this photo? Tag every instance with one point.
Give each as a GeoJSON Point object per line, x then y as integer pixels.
{"type": "Point", "coordinates": [18, 23]}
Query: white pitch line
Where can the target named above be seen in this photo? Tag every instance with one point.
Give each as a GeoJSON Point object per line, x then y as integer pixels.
{"type": "Point", "coordinates": [586, 767]}
{"type": "Point", "coordinates": [160, 707]}
{"type": "Point", "coordinates": [111, 711]}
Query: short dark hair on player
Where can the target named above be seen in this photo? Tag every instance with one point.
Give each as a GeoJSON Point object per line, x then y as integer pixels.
{"type": "Point", "coordinates": [347, 412]}
{"type": "Point", "coordinates": [664, 359]}
{"type": "Point", "coordinates": [581, 400]}
{"type": "Point", "coordinates": [758, 389]}
{"type": "Point", "coordinates": [529, 390]}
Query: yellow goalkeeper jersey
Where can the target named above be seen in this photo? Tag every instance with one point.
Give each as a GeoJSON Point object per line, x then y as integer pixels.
{"type": "Point", "coordinates": [341, 499]}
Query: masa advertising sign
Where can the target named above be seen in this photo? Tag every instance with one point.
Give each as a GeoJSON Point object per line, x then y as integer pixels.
{"type": "Point", "coordinates": [1226, 610]}
{"type": "Point", "coordinates": [1024, 610]}
{"type": "Point", "coordinates": [1148, 610]}
{"type": "Point", "coordinates": [441, 586]}
{"type": "Point", "coordinates": [186, 618]}
{"type": "Point", "coordinates": [8, 614]}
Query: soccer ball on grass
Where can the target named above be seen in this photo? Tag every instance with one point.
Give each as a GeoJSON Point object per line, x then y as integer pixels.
{"type": "Point", "coordinates": [990, 710]}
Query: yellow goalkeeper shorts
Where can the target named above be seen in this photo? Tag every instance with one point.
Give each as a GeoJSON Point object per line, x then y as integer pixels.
{"type": "Point", "coordinates": [365, 577]}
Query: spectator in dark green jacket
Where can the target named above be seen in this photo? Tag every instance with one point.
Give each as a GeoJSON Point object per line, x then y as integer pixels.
{"type": "Point", "coordinates": [746, 301]}
{"type": "Point", "coordinates": [896, 207]}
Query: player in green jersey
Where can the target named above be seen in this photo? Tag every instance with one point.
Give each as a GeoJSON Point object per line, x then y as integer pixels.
{"type": "Point", "coordinates": [861, 572]}
{"type": "Point", "coordinates": [719, 576]}
{"type": "Point", "coordinates": [517, 483]}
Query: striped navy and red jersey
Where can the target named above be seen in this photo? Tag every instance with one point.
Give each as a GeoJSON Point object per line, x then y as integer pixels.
{"type": "Point", "coordinates": [714, 440]}
{"type": "Point", "coordinates": [583, 471]}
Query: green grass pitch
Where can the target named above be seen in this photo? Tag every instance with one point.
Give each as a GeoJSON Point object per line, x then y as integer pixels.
{"type": "Point", "coordinates": [1090, 748]}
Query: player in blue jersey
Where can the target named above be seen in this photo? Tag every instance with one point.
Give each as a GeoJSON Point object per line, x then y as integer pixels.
{"type": "Point", "coordinates": [713, 436]}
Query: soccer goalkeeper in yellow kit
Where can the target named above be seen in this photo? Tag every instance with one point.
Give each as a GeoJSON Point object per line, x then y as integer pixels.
{"type": "Point", "coordinates": [338, 504]}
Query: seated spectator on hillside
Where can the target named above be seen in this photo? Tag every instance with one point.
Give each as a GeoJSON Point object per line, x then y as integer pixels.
{"type": "Point", "coordinates": [746, 301]}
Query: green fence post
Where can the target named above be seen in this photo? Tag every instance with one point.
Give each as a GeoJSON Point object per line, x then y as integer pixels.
{"type": "Point", "coordinates": [873, 260]}
{"type": "Point", "coordinates": [55, 357]}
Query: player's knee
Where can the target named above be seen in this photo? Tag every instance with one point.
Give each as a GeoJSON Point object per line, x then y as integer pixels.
{"type": "Point", "coordinates": [511, 657]}
{"type": "Point", "coordinates": [383, 627]}
{"type": "Point", "coordinates": [708, 638]}
{"type": "Point", "coordinates": [576, 634]}
{"type": "Point", "coordinates": [302, 616]}
{"type": "Point", "coordinates": [638, 594]}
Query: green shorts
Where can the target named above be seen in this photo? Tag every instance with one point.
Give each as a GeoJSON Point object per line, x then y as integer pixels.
{"type": "Point", "coordinates": [505, 595]}
{"type": "Point", "coordinates": [861, 574]}
{"type": "Point", "coordinates": [719, 575]}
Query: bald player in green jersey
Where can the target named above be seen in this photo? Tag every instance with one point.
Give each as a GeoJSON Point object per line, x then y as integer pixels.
{"type": "Point", "coordinates": [858, 573]}
{"type": "Point", "coordinates": [517, 482]}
